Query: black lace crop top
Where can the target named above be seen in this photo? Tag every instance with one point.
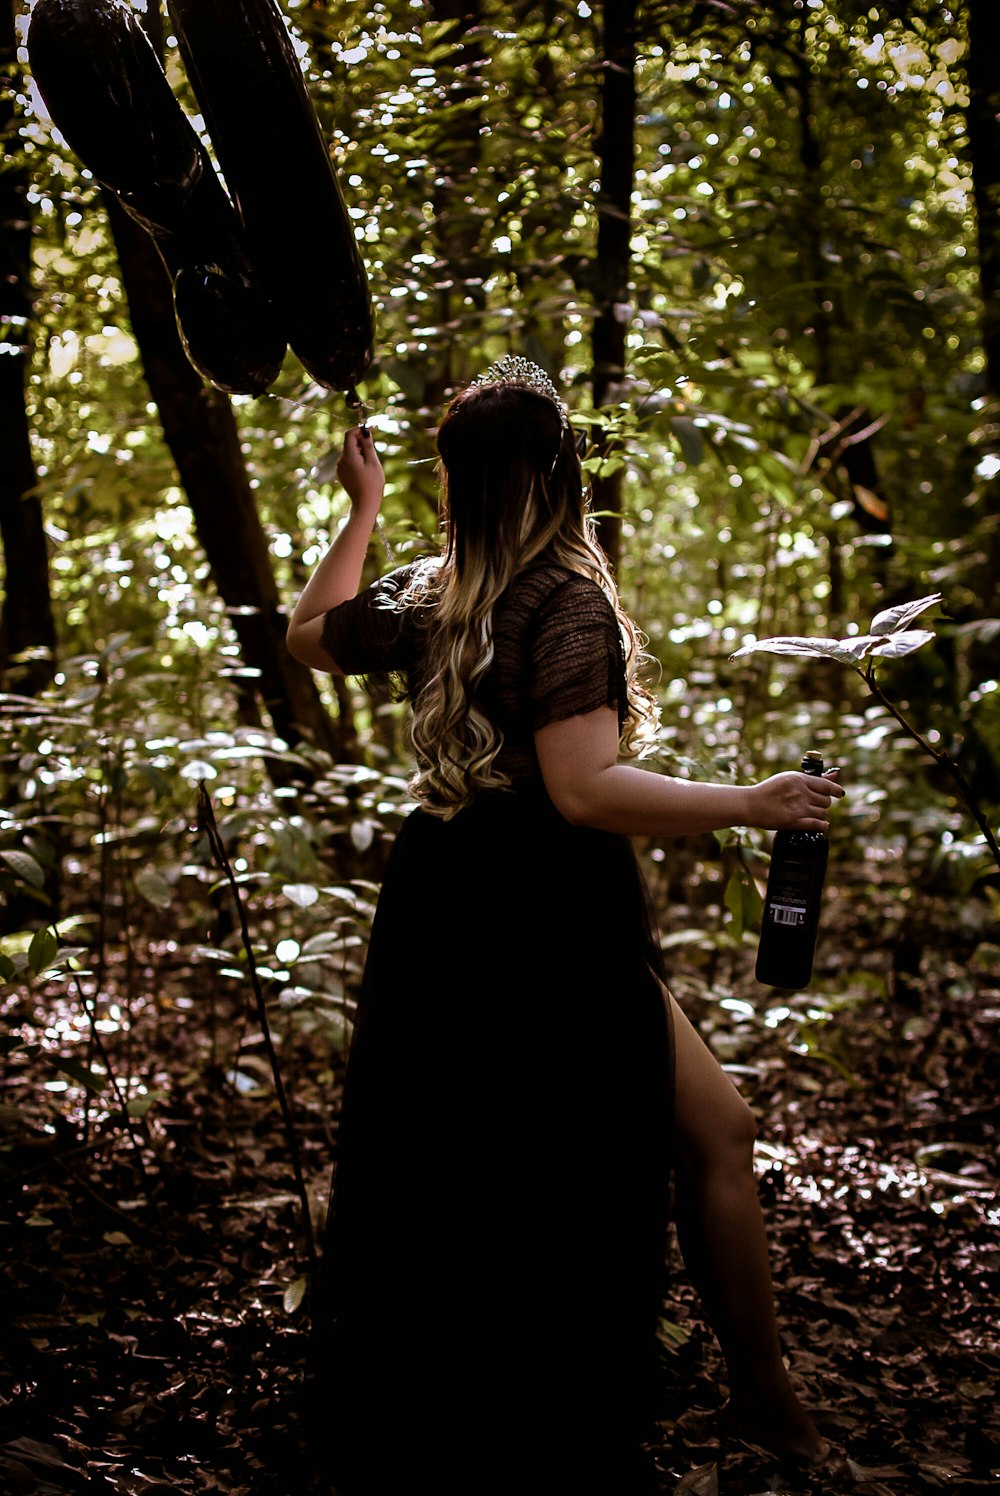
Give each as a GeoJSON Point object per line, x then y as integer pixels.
{"type": "Point", "coordinates": [557, 652]}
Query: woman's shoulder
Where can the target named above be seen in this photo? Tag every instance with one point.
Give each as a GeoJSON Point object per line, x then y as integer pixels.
{"type": "Point", "coordinates": [551, 581]}
{"type": "Point", "coordinates": [556, 588]}
{"type": "Point", "coordinates": [408, 576]}
{"type": "Point", "coordinates": [405, 588]}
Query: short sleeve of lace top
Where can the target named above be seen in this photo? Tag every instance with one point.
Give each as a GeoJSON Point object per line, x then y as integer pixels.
{"type": "Point", "coordinates": [368, 636]}
{"type": "Point", "coordinates": [557, 652]}
{"type": "Point", "coordinates": [577, 660]}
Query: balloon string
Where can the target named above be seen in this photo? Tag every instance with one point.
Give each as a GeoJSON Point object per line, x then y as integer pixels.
{"type": "Point", "coordinates": [362, 407]}
{"type": "Point", "coordinates": [388, 548]}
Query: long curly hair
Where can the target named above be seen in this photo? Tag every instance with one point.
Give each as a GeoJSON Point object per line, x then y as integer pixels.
{"type": "Point", "coordinates": [512, 491]}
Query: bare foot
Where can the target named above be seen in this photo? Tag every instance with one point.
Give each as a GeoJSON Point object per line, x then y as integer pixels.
{"type": "Point", "coordinates": [780, 1425]}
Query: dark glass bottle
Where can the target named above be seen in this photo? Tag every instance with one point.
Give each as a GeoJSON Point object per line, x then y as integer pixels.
{"type": "Point", "coordinates": [790, 922]}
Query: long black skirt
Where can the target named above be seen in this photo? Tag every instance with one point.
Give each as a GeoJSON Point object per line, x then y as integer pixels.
{"type": "Point", "coordinates": [495, 1255]}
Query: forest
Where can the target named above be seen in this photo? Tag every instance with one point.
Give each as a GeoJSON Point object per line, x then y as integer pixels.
{"type": "Point", "coordinates": [757, 246]}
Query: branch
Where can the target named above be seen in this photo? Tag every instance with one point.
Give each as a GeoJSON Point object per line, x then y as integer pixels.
{"type": "Point", "coordinates": [207, 821]}
{"type": "Point", "coordinates": [938, 755]}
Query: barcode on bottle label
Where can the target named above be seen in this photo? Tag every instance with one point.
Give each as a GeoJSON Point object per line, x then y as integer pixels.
{"type": "Point", "coordinates": [788, 914]}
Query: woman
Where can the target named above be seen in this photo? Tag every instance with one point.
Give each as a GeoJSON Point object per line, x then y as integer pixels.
{"type": "Point", "coordinates": [521, 1085]}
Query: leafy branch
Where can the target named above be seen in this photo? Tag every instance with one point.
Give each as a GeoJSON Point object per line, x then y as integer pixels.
{"type": "Point", "coordinates": [890, 637]}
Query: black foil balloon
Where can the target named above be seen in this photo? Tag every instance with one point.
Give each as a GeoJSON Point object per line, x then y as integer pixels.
{"type": "Point", "coordinates": [229, 328]}
{"type": "Point", "coordinates": [104, 87]}
{"type": "Point", "coordinates": [249, 86]}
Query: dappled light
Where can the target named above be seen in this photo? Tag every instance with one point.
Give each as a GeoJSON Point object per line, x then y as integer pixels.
{"type": "Point", "coordinates": [770, 305]}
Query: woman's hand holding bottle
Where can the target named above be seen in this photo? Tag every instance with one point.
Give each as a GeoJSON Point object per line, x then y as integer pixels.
{"type": "Point", "coordinates": [793, 801]}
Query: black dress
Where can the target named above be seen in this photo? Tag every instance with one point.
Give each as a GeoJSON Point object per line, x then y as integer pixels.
{"type": "Point", "coordinates": [495, 1254]}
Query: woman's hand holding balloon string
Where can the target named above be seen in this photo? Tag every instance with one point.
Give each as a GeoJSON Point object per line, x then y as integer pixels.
{"type": "Point", "coordinates": [338, 575]}
{"type": "Point", "coordinates": [359, 471]}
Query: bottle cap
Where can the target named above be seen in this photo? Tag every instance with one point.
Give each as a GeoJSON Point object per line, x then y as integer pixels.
{"type": "Point", "coordinates": [812, 762]}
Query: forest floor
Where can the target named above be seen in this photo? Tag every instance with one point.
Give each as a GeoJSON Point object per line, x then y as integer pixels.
{"type": "Point", "coordinates": [154, 1325]}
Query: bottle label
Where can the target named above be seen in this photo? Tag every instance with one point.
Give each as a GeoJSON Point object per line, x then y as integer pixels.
{"type": "Point", "coordinates": [788, 899]}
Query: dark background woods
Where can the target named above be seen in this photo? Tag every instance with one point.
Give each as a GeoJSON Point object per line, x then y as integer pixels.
{"type": "Point", "coordinates": [761, 244]}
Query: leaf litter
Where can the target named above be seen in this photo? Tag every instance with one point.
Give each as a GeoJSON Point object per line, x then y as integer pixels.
{"type": "Point", "coordinates": [157, 1337]}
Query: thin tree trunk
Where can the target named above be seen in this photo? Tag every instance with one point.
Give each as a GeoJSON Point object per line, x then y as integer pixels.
{"type": "Point", "coordinates": [456, 158]}
{"type": "Point", "coordinates": [27, 623]}
{"type": "Point", "coordinates": [201, 432]}
{"type": "Point", "coordinates": [984, 142]}
{"type": "Point", "coordinates": [857, 467]}
{"type": "Point", "coordinates": [616, 152]}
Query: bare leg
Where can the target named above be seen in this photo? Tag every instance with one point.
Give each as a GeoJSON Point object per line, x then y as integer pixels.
{"type": "Point", "coordinates": [724, 1244]}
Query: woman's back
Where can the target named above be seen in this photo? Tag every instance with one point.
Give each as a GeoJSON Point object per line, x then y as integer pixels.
{"type": "Point", "coordinates": [496, 1247]}
{"type": "Point", "coordinates": [556, 652]}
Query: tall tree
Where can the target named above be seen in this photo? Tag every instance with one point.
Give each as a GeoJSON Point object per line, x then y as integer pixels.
{"type": "Point", "coordinates": [612, 265]}
{"type": "Point", "coordinates": [457, 157]}
{"type": "Point", "coordinates": [983, 118]}
{"type": "Point", "coordinates": [984, 143]}
{"type": "Point", "coordinates": [27, 622]}
{"type": "Point", "coordinates": [201, 432]}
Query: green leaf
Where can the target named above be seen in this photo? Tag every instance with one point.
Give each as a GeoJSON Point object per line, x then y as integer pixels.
{"type": "Point", "coordinates": [891, 620]}
{"type": "Point", "coordinates": [743, 900]}
{"type": "Point", "coordinates": [138, 1106]}
{"type": "Point", "coordinates": [294, 1294]}
{"type": "Point", "coordinates": [362, 834]}
{"type": "Point", "coordinates": [82, 1075]}
{"type": "Point", "coordinates": [161, 783]}
{"type": "Point", "coordinates": [154, 888]}
{"type": "Point", "coordinates": [894, 645]}
{"type": "Point", "coordinates": [849, 651]}
{"type": "Point", "coordinates": [24, 866]}
{"type": "Point", "coordinates": [734, 903]}
{"type": "Point", "coordinates": [7, 968]}
{"type": "Point", "coordinates": [302, 894]}
{"type": "Point", "coordinates": [42, 950]}
{"type": "Point", "coordinates": [689, 439]}
{"type": "Point", "coordinates": [803, 648]}
{"type": "Point", "coordinates": [753, 904]}
{"type": "Point", "coordinates": [675, 1335]}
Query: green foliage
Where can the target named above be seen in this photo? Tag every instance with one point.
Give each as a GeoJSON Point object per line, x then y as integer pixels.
{"type": "Point", "coordinates": [103, 858]}
{"type": "Point", "coordinates": [890, 637]}
{"type": "Point", "coordinates": [803, 272]}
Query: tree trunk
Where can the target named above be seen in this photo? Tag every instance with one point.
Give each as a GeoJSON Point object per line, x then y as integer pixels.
{"type": "Point", "coordinates": [855, 473]}
{"type": "Point", "coordinates": [456, 156]}
{"type": "Point", "coordinates": [27, 623]}
{"type": "Point", "coordinates": [984, 144]}
{"type": "Point", "coordinates": [616, 152]}
{"type": "Point", "coordinates": [983, 123]}
{"type": "Point", "coordinates": [203, 438]}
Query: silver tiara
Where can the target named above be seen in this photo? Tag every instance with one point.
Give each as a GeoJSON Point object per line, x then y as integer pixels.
{"type": "Point", "coordinates": [512, 369]}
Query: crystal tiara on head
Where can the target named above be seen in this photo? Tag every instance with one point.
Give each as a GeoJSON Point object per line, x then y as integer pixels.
{"type": "Point", "coordinates": [521, 372]}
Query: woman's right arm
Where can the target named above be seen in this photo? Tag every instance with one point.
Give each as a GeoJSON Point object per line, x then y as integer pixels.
{"type": "Point", "coordinates": [578, 757]}
{"type": "Point", "coordinates": [338, 575]}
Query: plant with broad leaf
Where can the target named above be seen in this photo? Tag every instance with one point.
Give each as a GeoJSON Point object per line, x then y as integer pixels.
{"type": "Point", "coordinates": [890, 636]}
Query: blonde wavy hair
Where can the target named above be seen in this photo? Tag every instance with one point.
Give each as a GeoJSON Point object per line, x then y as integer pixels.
{"type": "Point", "coordinates": [512, 492]}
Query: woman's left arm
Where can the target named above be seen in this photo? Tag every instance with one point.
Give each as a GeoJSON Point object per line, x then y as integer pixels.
{"type": "Point", "coordinates": [338, 575]}
{"type": "Point", "coordinates": [578, 757]}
